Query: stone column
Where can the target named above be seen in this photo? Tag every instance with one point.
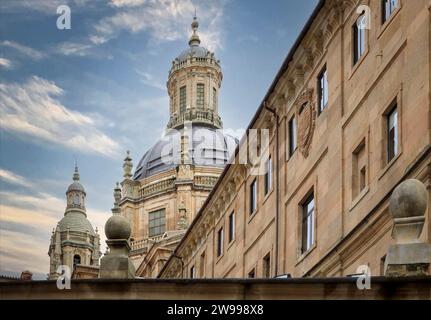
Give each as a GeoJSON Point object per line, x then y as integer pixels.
{"type": "Point", "coordinates": [408, 256]}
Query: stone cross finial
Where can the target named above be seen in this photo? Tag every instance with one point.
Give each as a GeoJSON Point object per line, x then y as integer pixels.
{"type": "Point", "coordinates": [408, 256]}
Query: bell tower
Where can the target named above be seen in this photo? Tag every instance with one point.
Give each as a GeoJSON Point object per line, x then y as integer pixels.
{"type": "Point", "coordinates": [74, 242]}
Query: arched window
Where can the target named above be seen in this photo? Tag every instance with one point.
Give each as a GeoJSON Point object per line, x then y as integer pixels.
{"type": "Point", "coordinates": [76, 260]}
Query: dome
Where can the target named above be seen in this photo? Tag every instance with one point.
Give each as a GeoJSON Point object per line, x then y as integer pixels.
{"type": "Point", "coordinates": [76, 221]}
{"type": "Point", "coordinates": [210, 148]}
{"type": "Point", "coordinates": [194, 52]}
{"type": "Point", "coordinates": [76, 186]}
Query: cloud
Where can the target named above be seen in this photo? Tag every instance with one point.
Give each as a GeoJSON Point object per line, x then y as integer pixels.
{"type": "Point", "coordinates": [48, 7]}
{"type": "Point", "coordinates": [148, 79]}
{"type": "Point", "coordinates": [31, 109]}
{"type": "Point", "coordinates": [27, 51]}
{"type": "Point", "coordinates": [164, 20]}
{"type": "Point", "coordinates": [5, 63]}
{"type": "Point", "coordinates": [73, 49]}
{"type": "Point", "coordinates": [13, 178]}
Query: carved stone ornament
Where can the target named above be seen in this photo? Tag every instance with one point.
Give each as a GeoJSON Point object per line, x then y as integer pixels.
{"type": "Point", "coordinates": [306, 116]}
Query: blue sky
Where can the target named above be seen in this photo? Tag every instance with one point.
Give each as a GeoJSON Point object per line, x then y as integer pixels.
{"type": "Point", "coordinates": [99, 89]}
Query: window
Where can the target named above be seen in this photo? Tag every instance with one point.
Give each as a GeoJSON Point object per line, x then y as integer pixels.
{"type": "Point", "coordinates": [359, 38]}
{"type": "Point", "coordinates": [267, 266]}
{"type": "Point", "coordinates": [323, 91]}
{"type": "Point", "coordinates": [76, 260]}
{"type": "Point", "coordinates": [268, 175]}
{"type": "Point", "coordinates": [392, 125]}
{"type": "Point", "coordinates": [292, 136]}
{"type": "Point", "coordinates": [253, 197]}
{"type": "Point", "coordinates": [220, 239]}
{"type": "Point", "coordinates": [192, 272]}
{"type": "Point", "coordinates": [214, 98]}
{"type": "Point", "coordinates": [308, 224]}
{"type": "Point", "coordinates": [359, 170]}
{"type": "Point", "coordinates": [156, 223]}
{"type": "Point", "coordinates": [200, 96]}
{"type": "Point", "coordinates": [183, 99]}
{"type": "Point", "coordinates": [388, 7]}
{"type": "Point", "coordinates": [202, 266]}
{"type": "Point", "coordinates": [231, 227]}
{"type": "Point", "coordinates": [252, 274]}
{"type": "Point", "coordinates": [382, 265]}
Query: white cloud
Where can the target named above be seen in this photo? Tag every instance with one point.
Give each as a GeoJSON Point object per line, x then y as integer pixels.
{"type": "Point", "coordinates": [164, 20]}
{"type": "Point", "coordinates": [5, 63]}
{"type": "Point", "coordinates": [149, 80]}
{"type": "Point", "coordinates": [32, 109]}
{"type": "Point", "coordinates": [27, 51]}
{"type": "Point", "coordinates": [127, 3]}
{"type": "Point", "coordinates": [48, 7]}
{"type": "Point", "coordinates": [13, 178]}
{"type": "Point", "coordinates": [73, 49]}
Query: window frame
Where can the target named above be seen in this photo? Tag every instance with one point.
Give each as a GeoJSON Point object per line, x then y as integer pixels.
{"type": "Point", "coordinates": [292, 132]}
{"type": "Point", "coordinates": [358, 54]}
{"type": "Point", "coordinates": [253, 197]}
{"type": "Point", "coordinates": [385, 15]}
{"type": "Point", "coordinates": [306, 217]}
{"type": "Point", "coordinates": [220, 242]}
{"type": "Point", "coordinates": [150, 234]}
{"type": "Point", "coordinates": [200, 96]}
{"type": "Point", "coordinates": [182, 99]}
{"type": "Point", "coordinates": [395, 152]}
{"type": "Point", "coordinates": [232, 226]}
{"type": "Point", "coordinates": [266, 266]}
{"type": "Point", "coordinates": [268, 176]}
{"type": "Point", "coordinates": [323, 90]}
{"type": "Point", "coordinates": [192, 272]}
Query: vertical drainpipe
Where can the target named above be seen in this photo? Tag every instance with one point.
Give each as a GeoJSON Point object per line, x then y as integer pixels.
{"type": "Point", "coordinates": [277, 187]}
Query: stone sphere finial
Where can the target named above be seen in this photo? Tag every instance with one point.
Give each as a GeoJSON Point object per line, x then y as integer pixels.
{"type": "Point", "coordinates": [409, 199]}
{"type": "Point", "coordinates": [117, 227]}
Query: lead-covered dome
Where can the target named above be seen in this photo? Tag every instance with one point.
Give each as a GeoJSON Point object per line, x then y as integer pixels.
{"type": "Point", "coordinates": [76, 221]}
{"type": "Point", "coordinates": [208, 147]}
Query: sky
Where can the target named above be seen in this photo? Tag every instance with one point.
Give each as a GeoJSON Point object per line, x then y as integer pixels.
{"type": "Point", "coordinates": [98, 89]}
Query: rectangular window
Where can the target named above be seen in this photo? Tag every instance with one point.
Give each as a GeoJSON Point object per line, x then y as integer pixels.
{"type": "Point", "coordinates": [231, 227]}
{"type": "Point", "coordinates": [202, 265]}
{"type": "Point", "coordinates": [388, 7]}
{"type": "Point", "coordinates": [183, 99]}
{"type": "Point", "coordinates": [192, 272]}
{"type": "Point", "coordinates": [214, 98]}
{"type": "Point", "coordinates": [220, 239]}
{"type": "Point", "coordinates": [267, 266]}
{"type": "Point", "coordinates": [253, 197]}
{"type": "Point", "coordinates": [392, 123]}
{"type": "Point", "coordinates": [359, 39]}
{"type": "Point", "coordinates": [200, 95]}
{"type": "Point", "coordinates": [359, 170]}
{"type": "Point", "coordinates": [252, 274]}
{"type": "Point", "coordinates": [308, 224]}
{"type": "Point", "coordinates": [156, 223]}
{"type": "Point", "coordinates": [323, 91]}
{"type": "Point", "coordinates": [268, 175]}
{"type": "Point", "coordinates": [292, 137]}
